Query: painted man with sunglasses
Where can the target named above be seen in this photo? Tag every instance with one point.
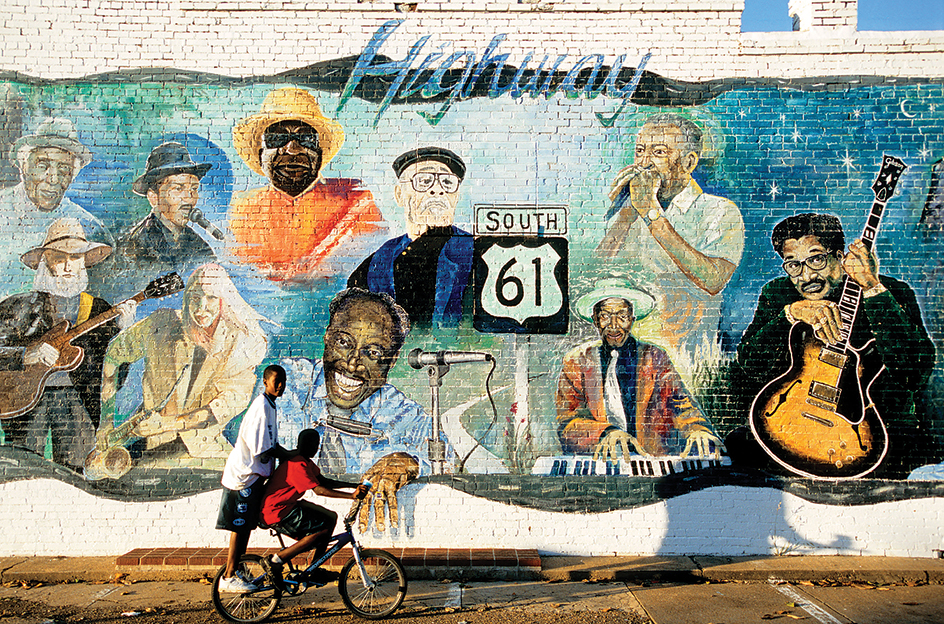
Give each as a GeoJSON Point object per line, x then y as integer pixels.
{"type": "Point", "coordinates": [301, 224]}
{"type": "Point", "coordinates": [428, 181]}
{"type": "Point", "coordinates": [812, 247]}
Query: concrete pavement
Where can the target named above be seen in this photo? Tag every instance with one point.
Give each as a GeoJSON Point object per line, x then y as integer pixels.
{"type": "Point", "coordinates": [667, 590]}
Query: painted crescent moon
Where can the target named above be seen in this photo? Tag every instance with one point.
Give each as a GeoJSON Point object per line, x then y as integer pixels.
{"type": "Point", "coordinates": [905, 112]}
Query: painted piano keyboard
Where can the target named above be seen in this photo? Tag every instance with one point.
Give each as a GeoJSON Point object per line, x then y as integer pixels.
{"type": "Point", "coordinates": [637, 466]}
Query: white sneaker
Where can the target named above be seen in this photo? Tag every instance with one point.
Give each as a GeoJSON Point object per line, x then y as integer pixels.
{"type": "Point", "coordinates": [236, 585]}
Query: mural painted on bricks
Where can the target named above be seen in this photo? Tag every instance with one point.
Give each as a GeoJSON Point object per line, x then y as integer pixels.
{"type": "Point", "coordinates": [524, 273]}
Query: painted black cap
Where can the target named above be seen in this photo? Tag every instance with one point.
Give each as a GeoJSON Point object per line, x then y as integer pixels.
{"type": "Point", "coordinates": [439, 154]}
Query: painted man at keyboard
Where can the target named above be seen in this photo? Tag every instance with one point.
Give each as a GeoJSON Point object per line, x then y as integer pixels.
{"type": "Point", "coordinates": [619, 394]}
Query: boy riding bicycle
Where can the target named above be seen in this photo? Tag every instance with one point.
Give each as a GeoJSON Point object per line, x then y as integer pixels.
{"type": "Point", "coordinates": [312, 525]}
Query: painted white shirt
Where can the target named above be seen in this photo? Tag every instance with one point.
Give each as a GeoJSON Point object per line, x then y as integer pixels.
{"type": "Point", "coordinates": [685, 321]}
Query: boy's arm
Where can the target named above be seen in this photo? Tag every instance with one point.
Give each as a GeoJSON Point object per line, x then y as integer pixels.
{"type": "Point", "coordinates": [329, 492]}
{"type": "Point", "coordinates": [279, 452]}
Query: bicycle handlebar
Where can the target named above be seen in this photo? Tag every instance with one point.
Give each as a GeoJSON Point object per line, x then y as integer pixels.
{"type": "Point", "coordinates": [356, 507]}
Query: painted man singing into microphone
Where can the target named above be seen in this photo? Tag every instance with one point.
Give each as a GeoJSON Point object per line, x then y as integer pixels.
{"type": "Point", "coordinates": [163, 241]}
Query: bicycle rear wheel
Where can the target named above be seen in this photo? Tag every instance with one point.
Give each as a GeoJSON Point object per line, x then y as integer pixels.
{"type": "Point", "coordinates": [385, 588]}
{"type": "Point", "coordinates": [252, 607]}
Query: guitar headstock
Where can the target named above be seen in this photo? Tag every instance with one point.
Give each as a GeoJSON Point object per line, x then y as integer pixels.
{"type": "Point", "coordinates": [163, 286]}
{"type": "Point", "coordinates": [887, 179]}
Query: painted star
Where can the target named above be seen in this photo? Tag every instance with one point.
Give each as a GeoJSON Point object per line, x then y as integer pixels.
{"type": "Point", "coordinates": [856, 113]}
{"type": "Point", "coordinates": [742, 113]}
{"type": "Point", "coordinates": [847, 162]}
{"type": "Point", "coordinates": [925, 152]}
{"type": "Point", "coordinates": [774, 190]}
{"type": "Point", "coordinates": [796, 136]}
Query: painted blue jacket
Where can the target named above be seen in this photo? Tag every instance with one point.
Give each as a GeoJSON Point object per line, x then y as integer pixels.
{"type": "Point", "coordinates": [453, 271]}
{"type": "Point", "coordinates": [397, 423]}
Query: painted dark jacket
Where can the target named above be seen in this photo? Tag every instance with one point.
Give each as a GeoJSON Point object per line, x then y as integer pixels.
{"type": "Point", "coordinates": [453, 270]}
{"type": "Point", "coordinates": [151, 241]}
{"type": "Point", "coordinates": [665, 414]}
{"type": "Point", "coordinates": [24, 318]}
{"type": "Point", "coordinates": [892, 318]}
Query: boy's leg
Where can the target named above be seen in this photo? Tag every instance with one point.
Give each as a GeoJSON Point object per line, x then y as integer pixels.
{"type": "Point", "coordinates": [316, 524]}
{"type": "Point", "coordinates": [238, 542]}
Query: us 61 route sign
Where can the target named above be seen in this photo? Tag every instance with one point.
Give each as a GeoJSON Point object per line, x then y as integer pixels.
{"type": "Point", "coordinates": [521, 285]}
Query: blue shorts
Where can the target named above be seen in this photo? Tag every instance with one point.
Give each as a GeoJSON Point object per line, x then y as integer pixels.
{"type": "Point", "coordinates": [239, 509]}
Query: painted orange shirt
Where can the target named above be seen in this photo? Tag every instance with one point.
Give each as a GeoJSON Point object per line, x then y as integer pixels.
{"type": "Point", "coordinates": [289, 236]}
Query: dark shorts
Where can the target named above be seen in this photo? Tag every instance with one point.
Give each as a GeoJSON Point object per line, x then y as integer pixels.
{"type": "Point", "coordinates": [306, 518]}
{"type": "Point", "coordinates": [239, 509]}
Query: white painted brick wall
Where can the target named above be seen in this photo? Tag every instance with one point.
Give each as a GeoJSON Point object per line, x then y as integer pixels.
{"type": "Point", "coordinates": [727, 521]}
{"type": "Point", "coordinates": [690, 40]}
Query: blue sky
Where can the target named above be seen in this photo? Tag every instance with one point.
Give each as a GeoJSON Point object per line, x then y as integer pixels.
{"type": "Point", "coordinates": [771, 15]}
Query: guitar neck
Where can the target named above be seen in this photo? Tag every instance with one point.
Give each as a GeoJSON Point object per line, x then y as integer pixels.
{"type": "Point", "coordinates": [851, 298]}
{"type": "Point", "coordinates": [98, 321]}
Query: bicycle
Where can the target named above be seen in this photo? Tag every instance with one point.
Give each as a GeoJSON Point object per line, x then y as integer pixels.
{"type": "Point", "coordinates": [372, 583]}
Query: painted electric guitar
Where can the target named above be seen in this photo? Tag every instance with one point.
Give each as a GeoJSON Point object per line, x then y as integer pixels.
{"type": "Point", "coordinates": [818, 419]}
{"type": "Point", "coordinates": [21, 390]}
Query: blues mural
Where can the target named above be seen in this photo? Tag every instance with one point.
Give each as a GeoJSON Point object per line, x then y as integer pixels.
{"type": "Point", "coordinates": [476, 274]}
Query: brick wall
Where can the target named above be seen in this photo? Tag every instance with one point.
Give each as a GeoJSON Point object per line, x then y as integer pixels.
{"type": "Point", "coordinates": [792, 122]}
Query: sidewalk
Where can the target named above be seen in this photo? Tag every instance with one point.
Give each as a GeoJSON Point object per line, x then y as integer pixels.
{"type": "Point", "coordinates": [501, 565]}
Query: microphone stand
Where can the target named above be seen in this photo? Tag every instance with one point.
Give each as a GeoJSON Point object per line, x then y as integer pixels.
{"type": "Point", "coordinates": [437, 448]}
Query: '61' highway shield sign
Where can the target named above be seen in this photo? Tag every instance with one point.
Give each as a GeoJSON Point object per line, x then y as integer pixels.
{"type": "Point", "coordinates": [521, 285]}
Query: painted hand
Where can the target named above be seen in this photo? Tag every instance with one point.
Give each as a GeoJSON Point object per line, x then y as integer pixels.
{"type": "Point", "coordinates": [823, 316]}
{"type": "Point", "coordinates": [861, 265]}
{"type": "Point", "coordinates": [126, 313]}
{"type": "Point", "coordinates": [700, 442]}
{"type": "Point", "coordinates": [388, 475]}
{"type": "Point", "coordinates": [150, 426]}
{"type": "Point", "coordinates": [43, 353]}
{"type": "Point", "coordinates": [609, 446]}
{"type": "Point", "coordinates": [644, 184]}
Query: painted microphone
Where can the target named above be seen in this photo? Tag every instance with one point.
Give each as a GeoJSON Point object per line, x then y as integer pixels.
{"type": "Point", "coordinates": [419, 358]}
{"type": "Point", "coordinates": [196, 215]}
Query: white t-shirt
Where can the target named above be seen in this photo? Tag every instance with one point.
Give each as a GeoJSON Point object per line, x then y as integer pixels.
{"type": "Point", "coordinates": [258, 432]}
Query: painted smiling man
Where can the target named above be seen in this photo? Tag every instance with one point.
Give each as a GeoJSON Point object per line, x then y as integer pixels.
{"type": "Point", "coordinates": [367, 426]}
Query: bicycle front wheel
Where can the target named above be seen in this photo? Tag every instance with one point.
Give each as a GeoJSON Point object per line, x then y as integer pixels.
{"type": "Point", "coordinates": [254, 606]}
{"type": "Point", "coordinates": [384, 589]}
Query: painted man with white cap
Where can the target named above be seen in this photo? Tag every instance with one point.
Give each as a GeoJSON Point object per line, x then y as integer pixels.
{"type": "Point", "coordinates": [70, 407]}
{"type": "Point", "coordinates": [619, 394]}
{"type": "Point", "coordinates": [300, 223]}
{"type": "Point", "coordinates": [48, 161]}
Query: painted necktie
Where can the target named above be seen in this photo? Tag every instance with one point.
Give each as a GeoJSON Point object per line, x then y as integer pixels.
{"type": "Point", "coordinates": [615, 413]}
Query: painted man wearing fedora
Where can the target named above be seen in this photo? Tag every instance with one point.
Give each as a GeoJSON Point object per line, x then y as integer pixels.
{"type": "Point", "coordinates": [300, 223]}
{"type": "Point", "coordinates": [620, 394]}
{"type": "Point", "coordinates": [70, 407]}
{"type": "Point", "coordinates": [163, 241]}
{"type": "Point", "coordinates": [48, 162]}
{"type": "Point", "coordinates": [428, 181]}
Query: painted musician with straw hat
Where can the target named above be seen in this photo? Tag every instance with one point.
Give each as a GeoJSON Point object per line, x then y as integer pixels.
{"type": "Point", "coordinates": [293, 226]}
{"type": "Point", "coordinates": [619, 395]}
{"type": "Point", "coordinates": [70, 406]}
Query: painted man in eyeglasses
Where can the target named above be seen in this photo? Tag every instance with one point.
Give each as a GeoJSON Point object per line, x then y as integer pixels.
{"type": "Point", "coordinates": [428, 181]}
{"type": "Point", "coordinates": [367, 426]}
{"type": "Point", "coordinates": [816, 266]}
{"type": "Point", "coordinates": [300, 224]}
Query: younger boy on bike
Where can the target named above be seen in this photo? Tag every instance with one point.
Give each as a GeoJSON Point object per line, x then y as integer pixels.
{"type": "Point", "coordinates": [310, 524]}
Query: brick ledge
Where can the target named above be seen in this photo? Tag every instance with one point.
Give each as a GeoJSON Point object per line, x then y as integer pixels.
{"type": "Point", "coordinates": [201, 558]}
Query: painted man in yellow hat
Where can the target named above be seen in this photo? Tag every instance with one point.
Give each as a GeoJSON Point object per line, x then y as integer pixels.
{"type": "Point", "coordinates": [290, 228]}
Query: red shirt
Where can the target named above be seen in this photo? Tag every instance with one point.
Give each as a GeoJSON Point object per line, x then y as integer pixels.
{"type": "Point", "coordinates": [290, 481]}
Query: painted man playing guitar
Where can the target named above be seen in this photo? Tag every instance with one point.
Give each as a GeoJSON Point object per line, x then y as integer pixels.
{"type": "Point", "coordinates": [802, 326]}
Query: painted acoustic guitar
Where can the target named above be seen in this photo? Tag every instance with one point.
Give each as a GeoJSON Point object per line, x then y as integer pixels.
{"type": "Point", "coordinates": [818, 419]}
{"type": "Point", "coordinates": [21, 390]}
